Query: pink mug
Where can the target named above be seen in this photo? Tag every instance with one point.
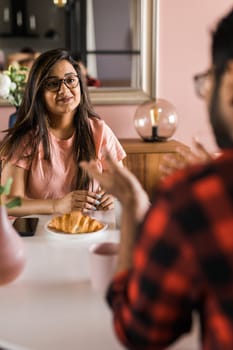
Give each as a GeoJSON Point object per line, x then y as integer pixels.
{"type": "Point", "coordinates": [103, 261]}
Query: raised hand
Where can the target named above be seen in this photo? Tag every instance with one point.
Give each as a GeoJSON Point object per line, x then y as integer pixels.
{"type": "Point", "coordinates": [171, 163]}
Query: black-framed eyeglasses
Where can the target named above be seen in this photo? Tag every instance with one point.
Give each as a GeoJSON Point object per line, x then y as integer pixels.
{"type": "Point", "coordinates": [54, 84]}
{"type": "Point", "coordinates": [202, 82]}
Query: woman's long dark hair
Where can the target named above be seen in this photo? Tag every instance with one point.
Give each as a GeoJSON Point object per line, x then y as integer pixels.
{"type": "Point", "coordinates": [32, 117]}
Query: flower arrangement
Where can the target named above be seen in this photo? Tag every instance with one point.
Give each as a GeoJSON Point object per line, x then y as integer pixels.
{"type": "Point", "coordinates": [12, 83]}
{"type": "Point", "coordinates": [5, 190]}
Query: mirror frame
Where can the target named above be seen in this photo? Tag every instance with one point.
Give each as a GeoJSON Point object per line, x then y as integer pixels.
{"type": "Point", "coordinates": [147, 91]}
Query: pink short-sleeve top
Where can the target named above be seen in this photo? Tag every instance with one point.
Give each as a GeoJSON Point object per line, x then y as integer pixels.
{"type": "Point", "coordinates": [57, 179]}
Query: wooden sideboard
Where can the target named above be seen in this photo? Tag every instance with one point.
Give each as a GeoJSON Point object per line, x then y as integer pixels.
{"type": "Point", "coordinates": [143, 159]}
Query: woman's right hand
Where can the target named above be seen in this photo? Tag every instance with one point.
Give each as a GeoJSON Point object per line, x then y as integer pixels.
{"type": "Point", "coordinates": [80, 199]}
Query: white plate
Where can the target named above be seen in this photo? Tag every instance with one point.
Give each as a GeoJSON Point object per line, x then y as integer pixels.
{"type": "Point", "coordinates": [61, 234]}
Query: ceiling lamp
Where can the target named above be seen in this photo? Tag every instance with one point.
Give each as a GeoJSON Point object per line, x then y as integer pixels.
{"type": "Point", "coordinates": [60, 3]}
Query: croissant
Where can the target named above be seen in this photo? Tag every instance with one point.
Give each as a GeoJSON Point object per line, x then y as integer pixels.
{"type": "Point", "coordinates": [75, 222]}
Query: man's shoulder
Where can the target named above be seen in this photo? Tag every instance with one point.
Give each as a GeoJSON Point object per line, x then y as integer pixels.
{"type": "Point", "coordinates": [201, 173]}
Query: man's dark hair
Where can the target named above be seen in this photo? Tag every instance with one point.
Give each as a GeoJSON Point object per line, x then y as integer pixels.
{"type": "Point", "coordinates": [222, 52]}
{"type": "Point", "coordinates": [222, 42]}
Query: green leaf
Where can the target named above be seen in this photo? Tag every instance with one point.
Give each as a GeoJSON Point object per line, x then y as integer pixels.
{"type": "Point", "coordinates": [14, 203]}
{"type": "Point", "coordinates": [19, 77]}
{"type": "Point", "coordinates": [1, 189]}
{"type": "Point", "coordinates": [6, 190]}
{"type": "Point", "coordinates": [7, 187]}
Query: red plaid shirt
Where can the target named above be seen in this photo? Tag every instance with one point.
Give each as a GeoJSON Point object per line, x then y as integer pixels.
{"type": "Point", "coordinates": [183, 261]}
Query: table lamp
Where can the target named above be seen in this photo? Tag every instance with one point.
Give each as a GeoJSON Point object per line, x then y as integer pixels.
{"type": "Point", "coordinates": [155, 120]}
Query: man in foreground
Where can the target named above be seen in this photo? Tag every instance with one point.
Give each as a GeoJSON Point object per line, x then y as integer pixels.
{"type": "Point", "coordinates": [176, 255]}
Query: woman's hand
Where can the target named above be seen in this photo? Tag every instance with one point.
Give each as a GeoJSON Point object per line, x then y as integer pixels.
{"type": "Point", "coordinates": [80, 199]}
{"type": "Point", "coordinates": [106, 201]}
{"type": "Point", "coordinates": [122, 184]}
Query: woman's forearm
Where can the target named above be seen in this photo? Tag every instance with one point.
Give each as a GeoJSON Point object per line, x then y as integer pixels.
{"type": "Point", "coordinates": [33, 206]}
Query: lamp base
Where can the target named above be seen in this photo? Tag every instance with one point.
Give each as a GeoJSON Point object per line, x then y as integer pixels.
{"type": "Point", "coordinates": [154, 139]}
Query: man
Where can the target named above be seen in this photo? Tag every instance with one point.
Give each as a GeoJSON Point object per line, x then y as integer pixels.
{"type": "Point", "coordinates": [180, 258]}
{"type": "Point", "coordinates": [25, 57]}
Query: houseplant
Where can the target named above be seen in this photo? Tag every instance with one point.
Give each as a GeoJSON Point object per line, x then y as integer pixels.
{"type": "Point", "coordinates": [12, 253]}
{"type": "Point", "coordinates": [12, 84]}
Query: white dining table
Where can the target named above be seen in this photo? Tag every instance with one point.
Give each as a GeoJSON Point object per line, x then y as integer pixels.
{"type": "Point", "coordinates": [51, 305]}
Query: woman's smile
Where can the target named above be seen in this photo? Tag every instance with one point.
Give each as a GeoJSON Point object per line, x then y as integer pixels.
{"type": "Point", "coordinates": [65, 99]}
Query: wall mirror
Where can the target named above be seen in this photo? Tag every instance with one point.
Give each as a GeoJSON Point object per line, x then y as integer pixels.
{"type": "Point", "coordinates": [115, 39]}
{"type": "Point", "coordinates": [138, 82]}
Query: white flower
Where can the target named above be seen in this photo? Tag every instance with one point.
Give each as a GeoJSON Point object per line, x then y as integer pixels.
{"type": "Point", "coordinates": [5, 85]}
{"type": "Point", "coordinates": [12, 83]}
{"type": "Point", "coordinates": [13, 86]}
{"type": "Point", "coordinates": [11, 99]}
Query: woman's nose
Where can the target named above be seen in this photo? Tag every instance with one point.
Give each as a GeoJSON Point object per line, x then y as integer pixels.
{"type": "Point", "coordinates": [62, 87]}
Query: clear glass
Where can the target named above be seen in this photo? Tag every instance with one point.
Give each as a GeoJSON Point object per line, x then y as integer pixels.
{"type": "Point", "coordinates": [156, 120]}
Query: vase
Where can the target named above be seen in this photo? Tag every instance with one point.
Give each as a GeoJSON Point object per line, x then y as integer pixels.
{"type": "Point", "coordinates": [12, 252]}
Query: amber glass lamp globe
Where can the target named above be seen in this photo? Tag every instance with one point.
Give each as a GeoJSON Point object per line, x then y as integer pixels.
{"type": "Point", "coordinates": [155, 120]}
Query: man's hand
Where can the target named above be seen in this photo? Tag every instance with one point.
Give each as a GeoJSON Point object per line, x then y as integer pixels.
{"type": "Point", "coordinates": [170, 163]}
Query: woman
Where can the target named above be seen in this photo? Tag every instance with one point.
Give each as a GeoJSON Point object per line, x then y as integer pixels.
{"type": "Point", "coordinates": [56, 128]}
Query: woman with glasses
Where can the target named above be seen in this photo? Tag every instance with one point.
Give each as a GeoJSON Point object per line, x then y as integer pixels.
{"type": "Point", "coordinates": [56, 128]}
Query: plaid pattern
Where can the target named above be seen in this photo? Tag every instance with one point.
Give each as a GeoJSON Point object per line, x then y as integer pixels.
{"type": "Point", "coordinates": [183, 261]}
